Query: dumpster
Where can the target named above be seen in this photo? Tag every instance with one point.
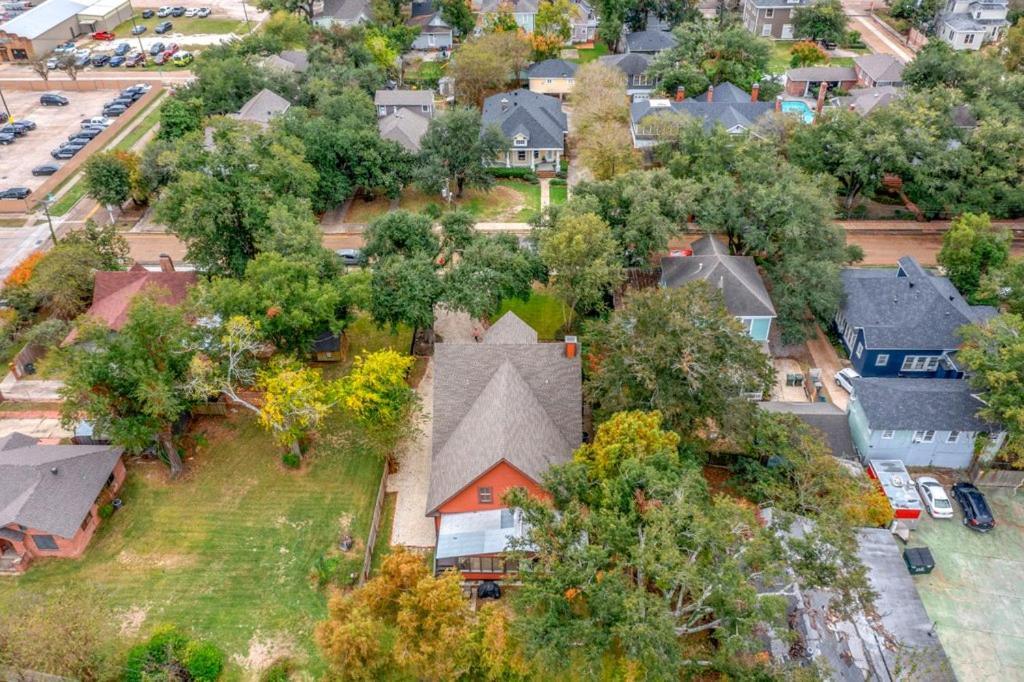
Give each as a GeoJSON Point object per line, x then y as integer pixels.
{"type": "Point", "coordinates": [919, 560]}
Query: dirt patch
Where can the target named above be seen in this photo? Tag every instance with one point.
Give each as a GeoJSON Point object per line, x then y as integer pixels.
{"type": "Point", "coordinates": [131, 621]}
{"type": "Point", "coordinates": [264, 651]}
{"type": "Point", "coordinates": [130, 559]}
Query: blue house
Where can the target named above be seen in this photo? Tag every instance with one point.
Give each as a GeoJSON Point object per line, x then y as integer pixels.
{"type": "Point", "coordinates": [922, 422]}
{"type": "Point", "coordinates": [903, 322]}
{"type": "Point", "coordinates": [735, 276]}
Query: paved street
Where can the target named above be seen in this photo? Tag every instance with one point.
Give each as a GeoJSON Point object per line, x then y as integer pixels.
{"type": "Point", "coordinates": [878, 39]}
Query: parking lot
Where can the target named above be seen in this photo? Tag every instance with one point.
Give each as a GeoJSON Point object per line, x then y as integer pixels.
{"type": "Point", "coordinates": [975, 595]}
{"type": "Point", "coordinates": [55, 124]}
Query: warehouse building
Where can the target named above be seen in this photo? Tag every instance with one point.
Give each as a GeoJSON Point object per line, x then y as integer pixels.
{"type": "Point", "coordinates": [42, 28]}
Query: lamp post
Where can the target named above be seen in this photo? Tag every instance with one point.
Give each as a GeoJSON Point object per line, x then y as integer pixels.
{"type": "Point", "coordinates": [47, 202]}
{"type": "Point", "coordinates": [7, 111]}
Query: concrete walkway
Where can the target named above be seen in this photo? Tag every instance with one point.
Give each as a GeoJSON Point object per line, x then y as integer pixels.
{"type": "Point", "coordinates": [412, 527]}
{"type": "Point", "coordinates": [29, 390]}
{"type": "Point", "coordinates": [545, 193]}
{"type": "Point", "coordinates": [34, 426]}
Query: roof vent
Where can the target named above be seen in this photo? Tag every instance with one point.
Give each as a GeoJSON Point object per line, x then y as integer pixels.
{"type": "Point", "coordinates": [53, 470]}
{"type": "Point", "coordinates": [911, 285]}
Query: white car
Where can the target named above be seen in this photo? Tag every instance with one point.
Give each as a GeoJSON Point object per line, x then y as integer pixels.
{"type": "Point", "coordinates": [191, 12]}
{"type": "Point", "coordinates": [845, 377]}
{"type": "Point", "coordinates": [935, 498]}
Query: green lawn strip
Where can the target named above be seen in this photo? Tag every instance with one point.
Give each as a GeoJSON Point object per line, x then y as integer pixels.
{"type": "Point", "coordinates": [180, 25]}
{"type": "Point", "coordinates": [542, 311]}
{"type": "Point", "coordinates": [150, 119]}
{"type": "Point", "coordinates": [69, 198]}
{"type": "Point", "coordinates": [589, 55]}
{"type": "Point", "coordinates": [387, 519]}
{"type": "Point", "coordinates": [558, 194]}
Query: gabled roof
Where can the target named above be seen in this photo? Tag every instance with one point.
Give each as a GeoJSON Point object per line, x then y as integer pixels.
{"type": "Point", "coordinates": [262, 107]}
{"type": "Point", "coordinates": [730, 106]}
{"type": "Point", "coordinates": [907, 307]}
{"type": "Point", "coordinates": [540, 116]}
{"type": "Point", "coordinates": [826, 418]}
{"type": "Point", "coordinates": [822, 73]}
{"type": "Point", "coordinates": [347, 11]}
{"type": "Point", "coordinates": [552, 68]}
{"type": "Point", "coordinates": [650, 41]}
{"type": "Point", "coordinates": [422, 8]}
{"type": "Point", "coordinates": [881, 68]}
{"type": "Point", "coordinates": [735, 276]}
{"type": "Point", "coordinates": [429, 23]}
{"type": "Point", "coordinates": [43, 17]}
{"type": "Point", "coordinates": [403, 98]}
{"type": "Point", "coordinates": [404, 126]}
{"type": "Point", "coordinates": [51, 488]}
{"type": "Point", "coordinates": [515, 6]}
{"type": "Point", "coordinates": [723, 93]}
{"type": "Point", "coordinates": [631, 64]}
{"type": "Point", "coordinates": [502, 400]}
{"type": "Point", "coordinates": [866, 100]}
{"type": "Point", "coordinates": [510, 329]}
{"type": "Point", "coordinates": [919, 404]}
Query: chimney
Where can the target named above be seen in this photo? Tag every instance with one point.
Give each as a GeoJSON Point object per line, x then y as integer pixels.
{"type": "Point", "coordinates": [821, 100]}
{"type": "Point", "coordinates": [711, 93]}
{"type": "Point", "coordinates": [166, 264]}
{"type": "Point", "coordinates": [680, 93]}
{"type": "Point", "coordinates": [755, 92]}
{"type": "Point", "coordinates": [504, 103]}
{"type": "Point", "coordinates": [53, 470]}
{"type": "Point", "coordinates": [571, 346]}
{"type": "Point", "coordinates": [778, 103]}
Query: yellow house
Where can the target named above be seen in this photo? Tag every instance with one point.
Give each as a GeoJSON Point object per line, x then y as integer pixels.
{"type": "Point", "coordinates": [552, 77]}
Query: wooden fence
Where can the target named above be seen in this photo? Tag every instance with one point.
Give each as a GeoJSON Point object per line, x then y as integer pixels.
{"type": "Point", "coordinates": [997, 478]}
{"type": "Point", "coordinates": [371, 538]}
{"type": "Point", "coordinates": [28, 354]}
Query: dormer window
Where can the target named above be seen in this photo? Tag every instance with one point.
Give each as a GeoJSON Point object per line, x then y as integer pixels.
{"type": "Point", "coordinates": [519, 141]}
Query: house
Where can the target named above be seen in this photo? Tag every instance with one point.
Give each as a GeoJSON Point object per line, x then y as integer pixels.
{"type": "Point", "coordinates": [736, 277]}
{"type": "Point", "coordinates": [826, 418]}
{"type": "Point", "coordinates": [288, 61]}
{"type": "Point", "coordinates": [723, 104]}
{"type": "Point", "coordinates": [261, 108]}
{"type": "Point", "coordinates": [866, 100]}
{"type": "Point", "coordinates": [969, 24]}
{"type": "Point", "coordinates": [50, 497]}
{"type": "Point", "coordinates": [505, 411]}
{"type": "Point", "coordinates": [903, 322]}
{"type": "Point", "coordinates": [113, 292]}
{"type": "Point", "coordinates": [523, 11]}
{"type": "Point", "coordinates": [771, 18]}
{"type": "Point", "coordinates": [534, 124]}
{"type": "Point", "coordinates": [40, 29]}
{"type": "Point", "coordinates": [435, 33]}
{"type": "Point", "coordinates": [922, 422]}
{"type": "Point", "coordinates": [417, 101]}
{"type": "Point", "coordinates": [344, 13]}
{"type": "Point", "coordinates": [404, 126]}
{"type": "Point", "coordinates": [584, 24]}
{"type": "Point", "coordinates": [651, 41]}
{"type": "Point", "coordinates": [639, 83]}
{"type": "Point", "coordinates": [552, 77]}
{"type": "Point", "coordinates": [878, 70]}
{"type": "Point", "coordinates": [806, 80]}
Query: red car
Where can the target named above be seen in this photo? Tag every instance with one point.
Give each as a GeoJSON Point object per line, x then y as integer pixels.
{"type": "Point", "coordinates": [103, 35]}
{"type": "Point", "coordinates": [172, 49]}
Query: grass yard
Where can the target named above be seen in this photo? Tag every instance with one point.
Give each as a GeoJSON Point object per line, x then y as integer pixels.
{"type": "Point", "coordinates": [508, 200]}
{"type": "Point", "coordinates": [779, 62]}
{"type": "Point", "coordinates": [558, 194]}
{"type": "Point", "coordinates": [181, 26]}
{"type": "Point", "coordinates": [543, 312]}
{"type": "Point", "coordinates": [227, 551]}
{"type": "Point", "coordinates": [591, 54]}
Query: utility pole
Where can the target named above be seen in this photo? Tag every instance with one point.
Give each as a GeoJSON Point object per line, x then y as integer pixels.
{"type": "Point", "coordinates": [245, 13]}
{"type": "Point", "coordinates": [7, 112]}
{"type": "Point", "coordinates": [47, 202]}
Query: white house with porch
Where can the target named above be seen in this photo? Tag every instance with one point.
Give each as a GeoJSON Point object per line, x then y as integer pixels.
{"type": "Point", "coordinates": [535, 126]}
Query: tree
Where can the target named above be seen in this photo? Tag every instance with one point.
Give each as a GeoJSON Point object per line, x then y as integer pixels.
{"type": "Point", "coordinates": [718, 53]}
{"type": "Point", "coordinates": [128, 385]}
{"type": "Point", "coordinates": [807, 53]}
{"type": "Point", "coordinates": [554, 19]}
{"type": "Point", "coordinates": [1005, 285]}
{"type": "Point", "coordinates": [488, 64]}
{"type": "Point", "coordinates": [458, 15]}
{"type": "Point", "coordinates": [678, 351]}
{"type": "Point", "coordinates": [454, 150]}
{"type": "Point", "coordinates": [295, 400]}
{"type": "Point", "coordinates": [404, 290]}
{"type": "Point", "coordinates": [823, 20]}
{"type": "Point", "coordinates": [63, 279]}
{"type": "Point", "coordinates": [180, 116]}
{"type": "Point", "coordinates": [936, 63]}
{"type": "Point", "coordinates": [492, 268]}
{"type": "Point", "coordinates": [39, 66]}
{"type": "Point", "coordinates": [67, 63]}
{"type": "Point", "coordinates": [607, 150]}
{"type": "Point", "coordinates": [501, 20]}
{"type": "Point", "coordinates": [971, 248]}
{"type": "Point", "coordinates": [400, 233]}
{"type": "Point", "coordinates": [295, 234]}
{"type": "Point", "coordinates": [375, 390]}
{"type": "Point", "coordinates": [456, 232]}
{"type": "Point", "coordinates": [993, 354]}
{"type": "Point", "coordinates": [1012, 47]}
{"type": "Point", "coordinates": [290, 30]}
{"type": "Point", "coordinates": [580, 253]}
{"type": "Point", "coordinates": [304, 8]}
{"type": "Point", "coordinates": [601, 121]}
{"type": "Point", "coordinates": [110, 245]}
{"type": "Point", "coordinates": [108, 180]}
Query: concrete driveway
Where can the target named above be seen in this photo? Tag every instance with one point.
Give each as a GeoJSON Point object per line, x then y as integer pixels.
{"type": "Point", "coordinates": [412, 527]}
{"type": "Point", "coordinates": [827, 359]}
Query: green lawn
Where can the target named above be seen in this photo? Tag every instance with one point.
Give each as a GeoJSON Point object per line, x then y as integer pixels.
{"type": "Point", "coordinates": [508, 200]}
{"type": "Point", "coordinates": [589, 55]}
{"type": "Point", "coordinates": [543, 312]}
{"type": "Point", "coordinates": [151, 118]}
{"type": "Point", "coordinates": [779, 62]}
{"type": "Point", "coordinates": [558, 194]}
{"type": "Point", "coordinates": [226, 551]}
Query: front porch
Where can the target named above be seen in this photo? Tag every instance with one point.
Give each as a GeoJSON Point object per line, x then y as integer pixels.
{"type": "Point", "coordinates": [537, 160]}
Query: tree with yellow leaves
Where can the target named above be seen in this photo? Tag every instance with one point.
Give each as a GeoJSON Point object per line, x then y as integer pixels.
{"type": "Point", "coordinates": [375, 391]}
{"type": "Point", "coordinates": [295, 400]}
{"type": "Point", "coordinates": [601, 121]}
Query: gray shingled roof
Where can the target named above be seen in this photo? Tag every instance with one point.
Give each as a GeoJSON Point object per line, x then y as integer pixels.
{"type": "Point", "coordinates": [826, 418]}
{"type": "Point", "coordinates": [32, 495]}
{"type": "Point", "coordinates": [514, 6]}
{"type": "Point", "coordinates": [650, 41]}
{"type": "Point", "coordinates": [630, 64]}
{"type": "Point", "coordinates": [881, 67]}
{"type": "Point", "coordinates": [723, 93]}
{"type": "Point", "coordinates": [919, 404]}
{"type": "Point", "coordinates": [865, 100]}
{"type": "Point", "coordinates": [730, 107]}
{"type": "Point", "coordinates": [784, 4]}
{"type": "Point", "coordinates": [537, 116]}
{"type": "Point", "coordinates": [262, 107]}
{"type": "Point", "coordinates": [404, 126]}
{"type": "Point", "coordinates": [552, 68]}
{"type": "Point", "coordinates": [510, 329]}
{"type": "Point", "coordinates": [494, 401]}
{"type": "Point", "coordinates": [347, 11]}
{"type": "Point", "coordinates": [918, 312]}
{"type": "Point", "coordinates": [403, 98]}
{"type": "Point", "coordinates": [822, 73]}
{"type": "Point", "coordinates": [735, 276]}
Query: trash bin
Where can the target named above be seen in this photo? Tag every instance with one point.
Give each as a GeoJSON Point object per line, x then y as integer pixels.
{"type": "Point", "coordinates": [919, 560]}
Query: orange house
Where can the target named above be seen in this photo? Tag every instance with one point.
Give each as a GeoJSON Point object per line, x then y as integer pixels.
{"type": "Point", "coordinates": [50, 497]}
{"type": "Point", "coordinates": [505, 411]}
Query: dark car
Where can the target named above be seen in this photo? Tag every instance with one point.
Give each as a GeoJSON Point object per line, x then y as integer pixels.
{"type": "Point", "coordinates": [178, 12]}
{"type": "Point", "coordinates": [25, 124]}
{"type": "Point", "coordinates": [156, 48]}
{"type": "Point", "coordinates": [53, 100]}
{"type": "Point", "coordinates": [114, 110]}
{"type": "Point", "coordinates": [6, 138]}
{"type": "Point", "coordinates": [350, 256]}
{"type": "Point", "coordinates": [116, 60]}
{"type": "Point", "coordinates": [122, 49]}
{"type": "Point", "coordinates": [130, 93]}
{"type": "Point", "coordinates": [15, 193]}
{"type": "Point", "coordinates": [45, 169]}
{"type": "Point", "coordinates": [162, 28]}
{"type": "Point", "coordinates": [82, 62]}
{"type": "Point", "coordinates": [17, 131]}
{"type": "Point", "coordinates": [123, 101]}
{"type": "Point", "coordinates": [148, 14]}
{"type": "Point", "coordinates": [100, 59]}
{"type": "Point", "coordinates": [85, 134]}
{"type": "Point", "coordinates": [65, 153]}
{"type": "Point", "coordinates": [977, 515]}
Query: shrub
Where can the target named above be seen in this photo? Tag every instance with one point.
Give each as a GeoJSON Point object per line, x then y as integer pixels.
{"type": "Point", "coordinates": [22, 272]}
{"type": "Point", "coordinates": [168, 651]}
{"type": "Point", "coordinates": [291, 460]}
{"type": "Point", "coordinates": [203, 660]}
{"type": "Point", "coordinates": [47, 333]}
{"type": "Point", "coordinates": [517, 173]}
{"type": "Point", "coordinates": [106, 511]}
{"type": "Point", "coordinates": [559, 182]}
{"type": "Point", "coordinates": [432, 210]}
{"type": "Point", "coordinates": [279, 671]}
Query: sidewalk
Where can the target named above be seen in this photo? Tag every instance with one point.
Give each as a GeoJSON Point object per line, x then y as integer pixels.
{"type": "Point", "coordinates": [29, 390]}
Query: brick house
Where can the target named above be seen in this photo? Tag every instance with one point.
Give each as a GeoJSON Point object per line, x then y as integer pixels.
{"type": "Point", "coordinates": [505, 411]}
{"type": "Point", "coordinates": [50, 497]}
{"type": "Point", "coordinates": [771, 18]}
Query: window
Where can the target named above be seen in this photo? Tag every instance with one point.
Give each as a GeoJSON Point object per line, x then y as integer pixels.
{"type": "Point", "coordinates": [968, 39]}
{"type": "Point", "coordinates": [924, 436]}
{"type": "Point", "coordinates": [88, 518]}
{"type": "Point", "coordinates": [45, 542]}
{"type": "Point", "coordinates": [766, 30]}
{"type": "Point", "coordinates": [549, 81]}
{"type": "Point", "coordinates": [888, 435]}
{"type": "Point", "coordinates": [641, 79]}
{"type": "Point", "coordinates": [485, 495]}
{"type": "Point", "coordinates": [425, 108]}
{"type": "Point", "coordinates": [382, 111]}
{"type": "Point", "coordinates": [882, 360]}
{"type": "Point", "coordinates": [953, 437]}
{"type": "Point", "coordinates": [920, 363]}
{"type": "Point", "coordinates": [860, 350]}
{"type": "Point", "coordinates": [769, 13]}
{"type": "Point", "coordinates": [519, 141]}
{"type": "Point", "coordinates": [521, 155]}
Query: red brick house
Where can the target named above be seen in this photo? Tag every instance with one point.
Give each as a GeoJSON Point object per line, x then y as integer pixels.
{"type": "Point", "coordinates": [50, 497]}
{"type": "Point", "coordinates": [505, 411]}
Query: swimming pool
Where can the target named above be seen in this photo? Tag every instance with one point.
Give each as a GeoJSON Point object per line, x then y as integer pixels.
{"type": "Point", "coordinates": [795, 106]}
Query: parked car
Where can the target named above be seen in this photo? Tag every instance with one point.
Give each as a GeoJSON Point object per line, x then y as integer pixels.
{"type": "Point", "coordinates": [103, 35]}
{"type": "Point", "coordinates": [135, 59]}
{"type": "Point", "coordinates": [142, 87]}
{"type": "Point", "coordinates": [164, 12]}
{"type": "Point", "coordinates": [15, 193]}
{"type": "Point", "coordinates": [66, 46]}
{"type": "Point", "coordinates": [172, 48]}
{"type": "Point", "coordinates": [45, 169]}
{"type": "Point", "coordinates": [935, 499]}
{"type": "Point", "coordinates": [100, 59]}
{"type": "Point", "coordinates": [25, 123]}
{"type": "Point", "coordinates": [82, 62]}
{"type": "Point", "coordinates": [52, 63]}
{"type": "Point", "coordinates": [203, 12]}
{"type": "Point", "coordinates": [126, 102]}
{"type": "Point", "coordinates": [122, 49]}
{"type": "Point", "coordinates": [17, 131]}
{"type": "Point", "coordinates": [157, 48]}
{"type": "Point", "coordinates": [191, 12]}
{"type": "Point", "coordinates": [128, 93]}
{"type": "Point", "coordinates": [66, 152]}
{"type": "Point", "coordinates": [350, 256]}
{"type": "Point", "coordinates": [114, 110]}
{"type": "Point", "coordinates": [83, 52]}
{"type": "Point", "coordinates": [138, 30]}
{"type": "Point", "coordinates": [183, 59]}
{"type": "Point", "coordinates": [162, 58]}
{"type": "Point", "coordinates": [51, 99]}
{"type": "Point", "coordinates": [161, 28]}
{"type": "Point", "coordinates": [98, 121]}
{"type": "Point", "coordinates": [85, 134]}
{"type": "Point", "coordinates": [148, 14]}
{"type": "Point", "coordinates": [116, 60]}
{"type": "Point", "coordinates": [977, 515]}
{"type": "Point", "coordinates": [845, 377]}
{"type": "Point", "coordinates": [6, 138]}
{"type": "Point", "coordinates": [178, 12]}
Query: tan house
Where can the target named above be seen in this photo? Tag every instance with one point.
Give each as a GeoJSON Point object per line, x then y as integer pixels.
{"type": "Point", "coordinates": [534, 125]}
{"type": "Point", "coordinates": [552, 77]}
{"type": "Point", "coordinates": [50, 497]}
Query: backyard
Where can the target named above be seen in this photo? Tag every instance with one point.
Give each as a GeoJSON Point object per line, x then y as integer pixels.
{"type": "Point", "coordinates": [508, 200]}
{"type": "Point", "coordinates": [779, 62]}
{"type": "Point", "coordinates": [228, 551]}
{"type": "Point", "coordinates": [543, 312]}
